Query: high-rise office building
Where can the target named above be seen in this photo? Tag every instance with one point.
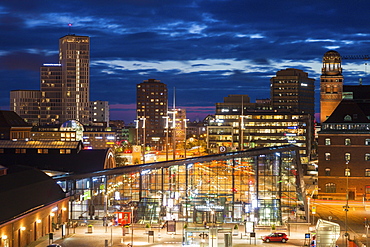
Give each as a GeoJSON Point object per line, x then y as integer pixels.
{"type": "Point", "coordinates": [64, 87]}
{"type": "Point", "coordinates": [74, 56]}
{"type": "Point", "coordinates": [151, 105]}
{"type": "Point", "coordinates": [293, 91]}
{"type": "Point", "coordinates": [331, 84]}
{"type": "Point", "coordinates": [51, 94]}
{"type": "Point", "coordinates": [26, 103]}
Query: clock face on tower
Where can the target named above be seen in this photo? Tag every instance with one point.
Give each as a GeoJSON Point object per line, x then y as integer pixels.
{"type": "Point", "coordinates": [222, 149]}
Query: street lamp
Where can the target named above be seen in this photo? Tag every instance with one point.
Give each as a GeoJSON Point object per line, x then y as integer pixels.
{"type": "Point", "coordinates": [132, 226]}
{"type": "Point", "coordinates": [166, 127]}
{"type": "Point", "coordinates": [185, 127]}
{"type": "Point", "coordinates": [144, 138]}
{"type": "Point", "coordinates": [212, 226]}
{"type": "Point", "coordinates": [347, 173]}
{"type": "Point", "coordinates": [111, 233]}
{"type": "Point", "coordinates": [173, 133]}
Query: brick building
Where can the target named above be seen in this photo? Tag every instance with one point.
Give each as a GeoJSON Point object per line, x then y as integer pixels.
{"type": "Point", "coordinates": [344, 152]}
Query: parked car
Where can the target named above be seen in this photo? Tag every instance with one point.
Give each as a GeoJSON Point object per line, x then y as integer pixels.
{"type": "Point", "coordinates": [54, 245]}
{"type": "Point", "coordinates": [275, 237]}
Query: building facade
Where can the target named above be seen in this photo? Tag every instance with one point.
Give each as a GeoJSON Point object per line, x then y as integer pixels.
{"type": "Point", "coordinates": [99, 112]}
{"type": "Point", "coordinates": [151, 107]}
{"type": "Point", "coordinates": [344, 153]}
{"type": "Point", "coordinates": [262, 186]}
{"type": "Point", "coordinates": [331, 84]}
{"type": "Point", "coordinates": [261, 129]}
{"type": "Point", "coordinates": [26, 103]}
{"type": "Point", "coordinates": [240, 125]}
{"type": "Point", "coordinates": [13, 127]}
{"type": "Point", "coordinates": [74, 56]}
{"type": "Point", "coordinates": [293, 91]}
{"type": "Point", "coordinates": [64, 87]}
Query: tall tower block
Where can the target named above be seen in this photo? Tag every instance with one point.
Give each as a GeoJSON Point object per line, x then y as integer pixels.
{"type": "Point", "coordinates": [331, 84]}
{"type": "Point", "coordinates": [74, 57]}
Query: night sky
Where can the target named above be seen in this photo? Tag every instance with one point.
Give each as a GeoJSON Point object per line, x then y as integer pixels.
{"type": "Point", "coordinates": [204, 49]}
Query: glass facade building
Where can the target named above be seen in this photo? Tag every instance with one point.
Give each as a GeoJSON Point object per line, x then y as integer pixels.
{"type": "Point", "coordinates": [263, 186]}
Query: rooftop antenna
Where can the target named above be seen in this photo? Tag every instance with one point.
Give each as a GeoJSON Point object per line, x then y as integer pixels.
{"type": "Point", "coordinates": [69, 28]}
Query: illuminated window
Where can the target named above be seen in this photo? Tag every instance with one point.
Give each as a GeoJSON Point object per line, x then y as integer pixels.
{"type": "Point", "coordinates": [367, 142]}
{"type": "Point", "coordinates": [367, 172]}
{"type": "Point", "coordinates": [367, 157]}
{"type": "Point", "coordinates": [327, 156]}
{"type": "Point", "coordinates": [327, 141]}
{"type": "Point", "coordinates": [347, 156]}
{"type": "Point", "coordinates": [347, 142]}
{"type": "Point", "coordinates": [327, 171]}
{"type": "Point", "coordinates": [347, 172]}
{"type": "Point", "coordinates": [330, 188]}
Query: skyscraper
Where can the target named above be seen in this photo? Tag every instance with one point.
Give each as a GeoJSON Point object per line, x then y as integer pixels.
{"type": "Point", "coordinates": [331, 84]}
{"type": "Point", "coordinates": [151, 105]}
{"type": "Point", "coordinates": [292, 91]}
{"type": "Point", "coordinates": [64, 87]}
{"type": "Point", "coordinates": [51, 106]}
{"type": "Point", "coordinates": [74, 57]}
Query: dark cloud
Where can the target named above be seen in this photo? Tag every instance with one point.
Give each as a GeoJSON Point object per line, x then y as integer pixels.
{"type": "Point", "coordinates": [206, 49]}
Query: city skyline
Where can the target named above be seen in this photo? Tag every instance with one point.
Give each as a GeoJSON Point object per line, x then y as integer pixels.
{"type": "Point", "coordinates": [212, 48]}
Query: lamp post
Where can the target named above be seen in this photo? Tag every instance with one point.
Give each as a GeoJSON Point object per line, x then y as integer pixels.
{"type": "Point", "coordinates": [111, 233]}
{"type": "Point", "coordinates": [242, 128]}
{"type": "Point", "coordinates": [173, 132]}
{"type": "Point", "coordinates": [166, 117]}
{"type": "Point", "coordinates": [185, 127]}
{"type": "Point", "coordinates": [212, 227]}
{"type": "Point", "coordinates": [144, 139]}
{"type": "Point", "coordinates": [132, 226]}
{"type": "Point", "coordinates": [105, 211]}
{"type": "Point", "coordinates": [346, 206]}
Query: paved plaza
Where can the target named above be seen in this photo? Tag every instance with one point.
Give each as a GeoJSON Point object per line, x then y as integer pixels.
{"type": "Point", "coordinates": [102, 236]}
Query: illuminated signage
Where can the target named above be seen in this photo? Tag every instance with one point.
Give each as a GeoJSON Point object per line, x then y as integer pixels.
{"type": "Point", "coordinates": [52, 64]}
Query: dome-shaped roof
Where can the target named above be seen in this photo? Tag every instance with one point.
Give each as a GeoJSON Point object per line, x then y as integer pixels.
{"type": "Point", "coordinates": [332, 55]}
{"type": "Point", "coordinates": [71, 125]}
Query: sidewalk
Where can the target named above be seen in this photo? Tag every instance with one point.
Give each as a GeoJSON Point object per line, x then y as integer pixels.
{"type": "Point", "coordinates": [102, 236]}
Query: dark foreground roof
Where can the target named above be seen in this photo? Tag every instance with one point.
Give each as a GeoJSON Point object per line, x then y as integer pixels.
{"type": "Point", "coordinates": [12, 119]}
{"type": "Point", "coordinates": [83, 162]}
{"type": "Point", "coordinates": [24, 189]}
{"type": "Point", "coordinates": [41, 144]}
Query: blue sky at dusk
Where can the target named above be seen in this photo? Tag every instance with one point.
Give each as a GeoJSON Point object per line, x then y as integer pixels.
{"type": "Point", "coordinates": [206, 49]}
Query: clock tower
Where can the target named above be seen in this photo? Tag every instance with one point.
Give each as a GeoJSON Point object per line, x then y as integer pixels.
{"type": "Point", "coordinates": [331, 84]}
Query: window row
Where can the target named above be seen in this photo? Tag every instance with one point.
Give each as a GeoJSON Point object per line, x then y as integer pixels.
{"type": "Point", "coordinates": [347, 141]}
{"type": "Point", "coordinates": [332, 188]}
{"type": "Point", "coordinates": [347, 156]}
{"type": "Point", "coordinates": [39, 151]}
{"type": "Point", "coordinates": [347, 172]}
